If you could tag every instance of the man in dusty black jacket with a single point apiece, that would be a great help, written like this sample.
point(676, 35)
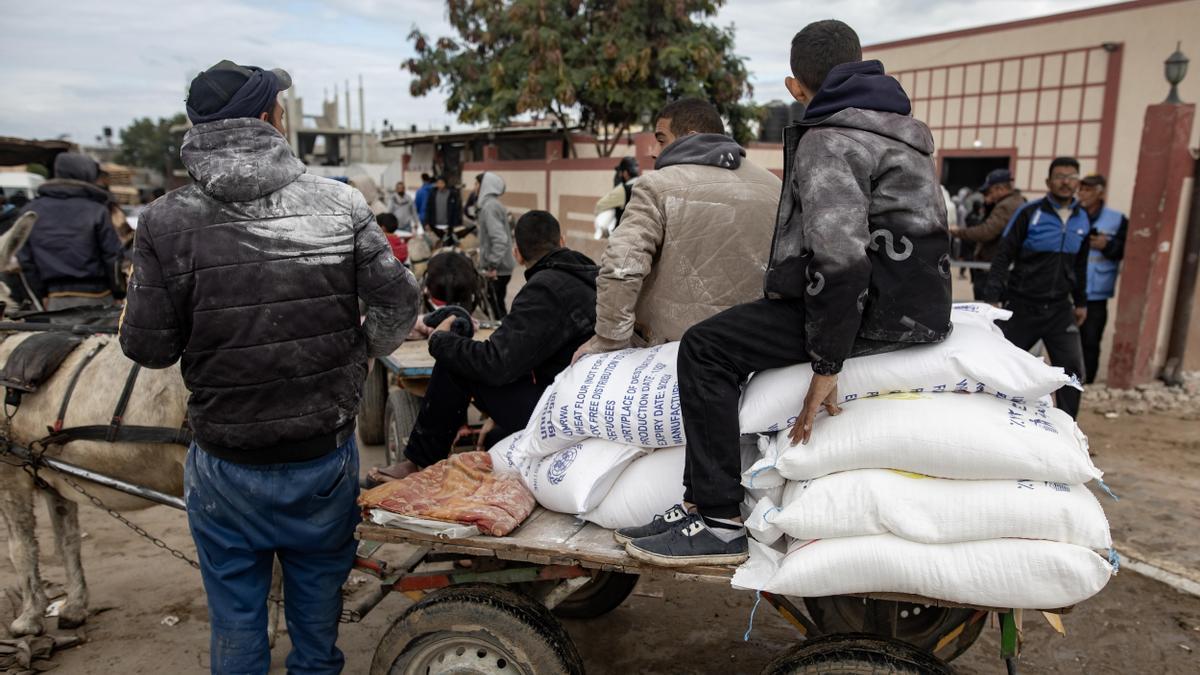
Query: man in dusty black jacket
point(552, 315)
point(252, 276)
point(860, 265)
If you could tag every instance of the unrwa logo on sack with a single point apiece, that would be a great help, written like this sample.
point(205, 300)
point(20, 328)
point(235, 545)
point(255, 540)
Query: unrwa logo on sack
point(562, 462)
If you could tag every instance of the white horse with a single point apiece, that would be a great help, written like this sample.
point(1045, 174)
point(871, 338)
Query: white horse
point(158, 400)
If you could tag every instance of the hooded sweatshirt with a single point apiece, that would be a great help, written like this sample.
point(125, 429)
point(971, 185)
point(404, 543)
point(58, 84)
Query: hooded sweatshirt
point(552, 315)
point(861, 236)
point(253, 275)
point(73, 248)
point(495, 240)
point(693, 242)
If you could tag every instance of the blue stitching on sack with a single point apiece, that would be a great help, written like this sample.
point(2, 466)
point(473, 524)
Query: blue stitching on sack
point(757, 599)
point(1107, 490)
point(1114, 559)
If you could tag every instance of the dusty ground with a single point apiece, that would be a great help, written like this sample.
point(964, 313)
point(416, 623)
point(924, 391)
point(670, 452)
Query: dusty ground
point(1134, 625)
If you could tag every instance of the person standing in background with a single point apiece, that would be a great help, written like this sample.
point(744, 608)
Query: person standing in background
point(443, 210)
point(421, 198)
point(404, 207)
point(1106, 244)
point(1001, 200)
point(1046, 245)
point(495, 242)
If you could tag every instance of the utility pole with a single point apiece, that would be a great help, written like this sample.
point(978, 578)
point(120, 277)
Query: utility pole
point(362, 120)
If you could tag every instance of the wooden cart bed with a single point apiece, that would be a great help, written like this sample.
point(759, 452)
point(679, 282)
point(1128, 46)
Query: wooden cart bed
point(546, 538)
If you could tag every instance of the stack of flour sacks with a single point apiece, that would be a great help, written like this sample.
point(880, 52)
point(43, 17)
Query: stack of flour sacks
point(948, 474)
point(605, 441)
point(970, 490)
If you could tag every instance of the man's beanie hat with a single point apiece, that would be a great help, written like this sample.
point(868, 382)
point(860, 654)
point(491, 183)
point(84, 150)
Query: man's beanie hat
point(228, 90)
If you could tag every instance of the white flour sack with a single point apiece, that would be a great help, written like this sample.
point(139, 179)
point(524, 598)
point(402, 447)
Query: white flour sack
point(1002, 573)
point(647, 487)
point(630, 396)
point(572, 480)
point(934, 510)
point(975, 357)
point(968, 436)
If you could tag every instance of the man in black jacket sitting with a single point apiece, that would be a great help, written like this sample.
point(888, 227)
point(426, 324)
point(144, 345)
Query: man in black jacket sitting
point(505, 375)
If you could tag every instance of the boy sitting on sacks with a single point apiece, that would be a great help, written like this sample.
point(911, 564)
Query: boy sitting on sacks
point(860, 265)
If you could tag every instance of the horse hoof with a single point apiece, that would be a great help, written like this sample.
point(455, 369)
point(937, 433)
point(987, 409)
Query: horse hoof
point(26, 626)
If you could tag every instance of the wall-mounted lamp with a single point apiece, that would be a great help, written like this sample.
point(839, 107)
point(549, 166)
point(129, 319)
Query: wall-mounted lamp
point(1175, 68)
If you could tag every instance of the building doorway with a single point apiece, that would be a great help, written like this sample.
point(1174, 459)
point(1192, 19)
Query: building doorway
point(969, 172)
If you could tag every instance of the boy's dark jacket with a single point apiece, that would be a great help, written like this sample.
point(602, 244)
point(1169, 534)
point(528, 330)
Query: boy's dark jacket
point(861, 235)
point(554, 313)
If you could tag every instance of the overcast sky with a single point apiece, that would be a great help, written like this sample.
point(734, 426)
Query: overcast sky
point(75, 66)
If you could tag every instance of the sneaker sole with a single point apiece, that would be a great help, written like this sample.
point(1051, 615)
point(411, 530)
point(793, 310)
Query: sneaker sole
point(684, 561)
point(620, 538)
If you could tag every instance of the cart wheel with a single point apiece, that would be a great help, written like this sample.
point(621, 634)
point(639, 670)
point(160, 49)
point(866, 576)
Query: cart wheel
point(476, 628)
point(604, 593)
point(370, 412)
point(946, 632)
point(856, 654)
point(399, 418)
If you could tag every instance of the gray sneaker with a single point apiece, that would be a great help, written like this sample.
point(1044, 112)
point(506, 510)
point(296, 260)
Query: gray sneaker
point(689, 542)
point(660, 524)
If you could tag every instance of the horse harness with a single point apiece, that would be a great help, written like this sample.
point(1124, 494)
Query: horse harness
point(116, 431)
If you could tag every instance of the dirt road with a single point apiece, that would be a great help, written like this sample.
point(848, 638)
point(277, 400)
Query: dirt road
point(1134, 625)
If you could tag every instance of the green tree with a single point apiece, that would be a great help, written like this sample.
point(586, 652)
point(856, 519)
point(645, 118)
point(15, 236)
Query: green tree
point(147, 143)
point(610, 63)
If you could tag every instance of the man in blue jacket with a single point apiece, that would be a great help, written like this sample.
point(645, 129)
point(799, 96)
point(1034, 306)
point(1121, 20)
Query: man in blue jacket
point(1046, 246)
point(1106, 244)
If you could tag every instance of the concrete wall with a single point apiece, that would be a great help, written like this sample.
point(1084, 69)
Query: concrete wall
point(1146, 31)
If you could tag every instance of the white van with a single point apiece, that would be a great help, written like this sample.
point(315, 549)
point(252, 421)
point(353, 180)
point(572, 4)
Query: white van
point(12, 182)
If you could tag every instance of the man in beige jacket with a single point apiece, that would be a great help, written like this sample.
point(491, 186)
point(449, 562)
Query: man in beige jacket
point(694, 239)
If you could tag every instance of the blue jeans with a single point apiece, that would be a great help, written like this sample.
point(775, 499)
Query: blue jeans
point(242, 517)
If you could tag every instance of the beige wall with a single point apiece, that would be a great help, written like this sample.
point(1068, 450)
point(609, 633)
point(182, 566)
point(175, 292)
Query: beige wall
point(1148, 34)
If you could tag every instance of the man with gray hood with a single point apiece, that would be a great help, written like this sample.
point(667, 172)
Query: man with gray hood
point(495, 242)
point(73, 254)
point(694, 237)
point(252, 275)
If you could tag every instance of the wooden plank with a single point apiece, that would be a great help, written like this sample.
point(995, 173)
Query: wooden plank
point(413, 358)
point(547, 538)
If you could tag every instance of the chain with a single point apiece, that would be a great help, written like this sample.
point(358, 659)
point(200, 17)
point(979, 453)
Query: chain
point(127, 523)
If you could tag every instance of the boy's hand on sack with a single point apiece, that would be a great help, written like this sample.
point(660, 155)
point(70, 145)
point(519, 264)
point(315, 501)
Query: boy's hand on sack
point(822, 393)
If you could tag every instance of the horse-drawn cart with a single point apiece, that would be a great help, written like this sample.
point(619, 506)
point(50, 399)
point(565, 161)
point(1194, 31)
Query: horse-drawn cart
point(490, 604)
point(392, 394)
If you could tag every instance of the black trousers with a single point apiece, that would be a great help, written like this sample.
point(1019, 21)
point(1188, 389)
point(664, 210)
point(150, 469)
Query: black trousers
point(979, 283)
point(715, 358)
point(1054, 325)
point(1090, 335)
point(444, 411)
point(497, 290)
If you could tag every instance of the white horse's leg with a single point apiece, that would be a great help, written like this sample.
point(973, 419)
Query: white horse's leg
point(16, 507)
point(64, 516)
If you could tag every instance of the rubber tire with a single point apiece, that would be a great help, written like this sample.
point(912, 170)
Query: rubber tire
point(856, 654)
point(604, 593)
point(825, 613)
point(526, 629)
point(399, 418)
point(374, 400)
